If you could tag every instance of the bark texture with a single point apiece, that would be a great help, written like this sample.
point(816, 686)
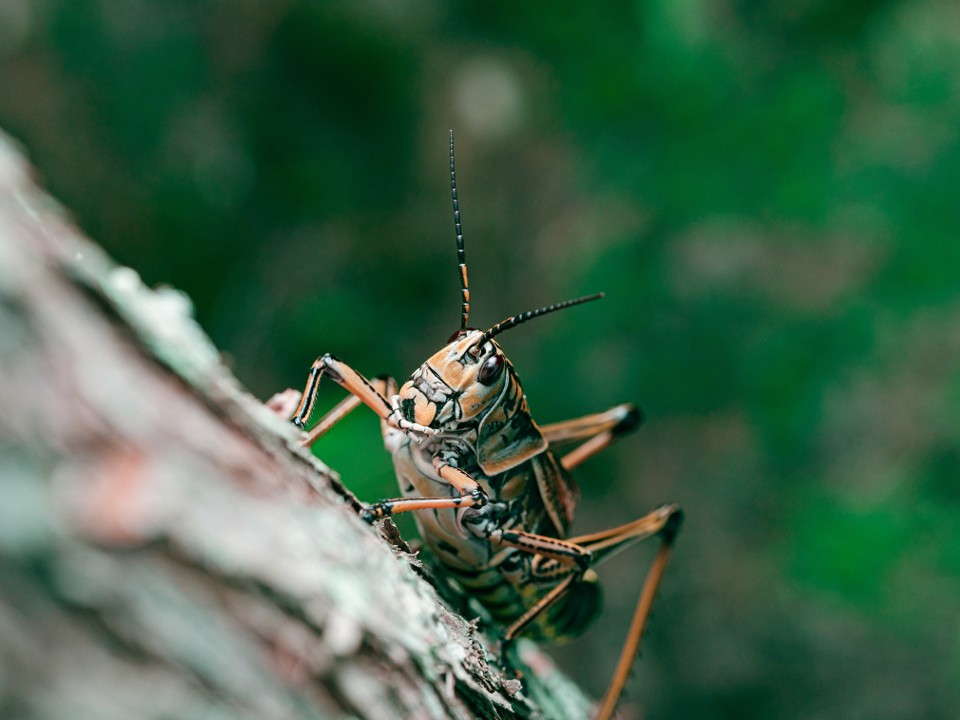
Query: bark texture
point(167, 550)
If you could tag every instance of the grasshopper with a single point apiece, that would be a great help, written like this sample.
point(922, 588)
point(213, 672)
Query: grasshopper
point(492, 497)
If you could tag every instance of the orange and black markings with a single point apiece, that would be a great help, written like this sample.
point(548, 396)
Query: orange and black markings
point(489, 488)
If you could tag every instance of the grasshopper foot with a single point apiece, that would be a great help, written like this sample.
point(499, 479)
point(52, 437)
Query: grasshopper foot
point(377, 511)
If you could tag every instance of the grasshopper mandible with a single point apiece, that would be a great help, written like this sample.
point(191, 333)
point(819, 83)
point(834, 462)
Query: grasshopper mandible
point(493, 500)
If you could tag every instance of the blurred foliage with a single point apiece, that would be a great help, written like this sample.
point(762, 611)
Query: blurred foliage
point(769, 193)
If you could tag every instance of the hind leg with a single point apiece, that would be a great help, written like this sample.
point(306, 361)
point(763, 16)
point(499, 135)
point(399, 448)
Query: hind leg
point(570, 560)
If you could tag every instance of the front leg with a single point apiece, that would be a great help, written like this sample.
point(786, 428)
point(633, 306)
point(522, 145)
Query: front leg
point(349, 379)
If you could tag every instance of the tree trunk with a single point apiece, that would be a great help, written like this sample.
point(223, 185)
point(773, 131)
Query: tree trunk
point(167, 550)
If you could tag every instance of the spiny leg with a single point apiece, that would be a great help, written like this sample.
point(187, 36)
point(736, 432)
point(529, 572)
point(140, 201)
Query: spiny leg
point(598, 431)
point(570, 563)
point(566, 560)
point(554, 558)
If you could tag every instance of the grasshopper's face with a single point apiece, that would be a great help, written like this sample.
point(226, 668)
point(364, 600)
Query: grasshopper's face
point(457, 384)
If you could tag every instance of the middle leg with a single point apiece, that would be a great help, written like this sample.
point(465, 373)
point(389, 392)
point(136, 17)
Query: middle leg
point(595, 432)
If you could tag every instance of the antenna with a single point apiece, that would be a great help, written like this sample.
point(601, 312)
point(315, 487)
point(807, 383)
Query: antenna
point(511, 322)
point(461, 257)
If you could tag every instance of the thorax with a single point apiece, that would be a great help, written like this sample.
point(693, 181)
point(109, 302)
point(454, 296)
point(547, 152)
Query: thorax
point(514, 499)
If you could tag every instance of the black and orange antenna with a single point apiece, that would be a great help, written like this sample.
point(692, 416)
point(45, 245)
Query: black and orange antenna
point(461, 256)
point(512, 322)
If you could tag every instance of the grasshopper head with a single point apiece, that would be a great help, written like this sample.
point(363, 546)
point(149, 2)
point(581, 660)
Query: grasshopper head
point(457, 384)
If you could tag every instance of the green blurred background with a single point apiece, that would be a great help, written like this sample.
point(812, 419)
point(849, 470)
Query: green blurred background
point(767, 191)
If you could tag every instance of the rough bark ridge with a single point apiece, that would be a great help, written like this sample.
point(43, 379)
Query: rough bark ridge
point(166, 548)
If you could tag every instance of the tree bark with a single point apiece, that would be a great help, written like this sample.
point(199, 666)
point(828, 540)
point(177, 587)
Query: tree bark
point(168, 550)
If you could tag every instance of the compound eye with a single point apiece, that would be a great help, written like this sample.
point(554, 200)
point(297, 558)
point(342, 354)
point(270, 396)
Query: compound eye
point(491, 369)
